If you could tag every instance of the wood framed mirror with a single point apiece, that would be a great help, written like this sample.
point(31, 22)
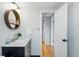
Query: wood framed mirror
point(12, 19)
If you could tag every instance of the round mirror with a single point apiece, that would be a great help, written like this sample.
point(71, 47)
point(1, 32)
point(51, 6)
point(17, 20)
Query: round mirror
point(12, 19)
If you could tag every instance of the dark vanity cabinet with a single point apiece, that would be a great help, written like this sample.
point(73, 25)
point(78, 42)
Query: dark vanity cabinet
point(17, 51)
point(13, 51)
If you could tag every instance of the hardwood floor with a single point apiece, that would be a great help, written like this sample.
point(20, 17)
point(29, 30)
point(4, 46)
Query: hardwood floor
point(47, 50)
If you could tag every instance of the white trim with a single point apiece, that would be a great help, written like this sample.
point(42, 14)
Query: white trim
point(40, 33)
point(43, 11)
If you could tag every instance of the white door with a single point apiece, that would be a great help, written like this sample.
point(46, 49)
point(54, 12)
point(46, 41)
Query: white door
point(60, 32)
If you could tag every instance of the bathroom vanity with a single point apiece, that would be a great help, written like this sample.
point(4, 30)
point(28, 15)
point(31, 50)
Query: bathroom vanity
point(18, 48)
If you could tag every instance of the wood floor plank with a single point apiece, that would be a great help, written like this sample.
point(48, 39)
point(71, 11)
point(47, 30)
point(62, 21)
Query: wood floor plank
point(47, 50)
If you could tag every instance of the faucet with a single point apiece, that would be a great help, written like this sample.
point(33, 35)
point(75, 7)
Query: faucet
point(16, 36)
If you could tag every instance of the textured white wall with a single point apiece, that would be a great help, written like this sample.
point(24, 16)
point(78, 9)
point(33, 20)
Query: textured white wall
point(29, 17)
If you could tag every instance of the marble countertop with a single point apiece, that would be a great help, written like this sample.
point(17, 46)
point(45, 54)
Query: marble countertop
point(17, 43)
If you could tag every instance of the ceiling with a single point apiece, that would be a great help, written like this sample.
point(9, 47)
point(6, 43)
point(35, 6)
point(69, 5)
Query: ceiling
point(39, 5)
point(42, 5)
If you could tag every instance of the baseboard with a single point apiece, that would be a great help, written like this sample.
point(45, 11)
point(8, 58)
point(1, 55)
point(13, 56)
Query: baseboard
point(34, 55)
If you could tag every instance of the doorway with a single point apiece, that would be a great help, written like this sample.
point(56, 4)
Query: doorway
point(47, 34)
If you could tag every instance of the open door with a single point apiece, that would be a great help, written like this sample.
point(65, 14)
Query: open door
point(60, 32)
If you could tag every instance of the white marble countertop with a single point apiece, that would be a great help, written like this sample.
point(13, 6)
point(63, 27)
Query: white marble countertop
point(17, 43)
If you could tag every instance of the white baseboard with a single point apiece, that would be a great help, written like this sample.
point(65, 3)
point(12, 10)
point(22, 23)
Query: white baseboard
point(47, 43)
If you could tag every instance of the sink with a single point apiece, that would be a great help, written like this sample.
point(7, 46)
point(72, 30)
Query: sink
point(17, 43)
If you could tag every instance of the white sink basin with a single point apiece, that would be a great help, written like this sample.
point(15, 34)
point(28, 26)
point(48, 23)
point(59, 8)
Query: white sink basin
point(17, 43)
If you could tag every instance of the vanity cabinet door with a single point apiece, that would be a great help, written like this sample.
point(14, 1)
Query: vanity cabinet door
point(28, 49)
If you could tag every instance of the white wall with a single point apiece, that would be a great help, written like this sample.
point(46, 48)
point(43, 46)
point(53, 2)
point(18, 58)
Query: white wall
point(5, 33)
point(73, 30)
point(29, 17)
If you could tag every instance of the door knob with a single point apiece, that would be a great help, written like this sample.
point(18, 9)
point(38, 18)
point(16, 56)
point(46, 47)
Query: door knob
point(64, 40)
